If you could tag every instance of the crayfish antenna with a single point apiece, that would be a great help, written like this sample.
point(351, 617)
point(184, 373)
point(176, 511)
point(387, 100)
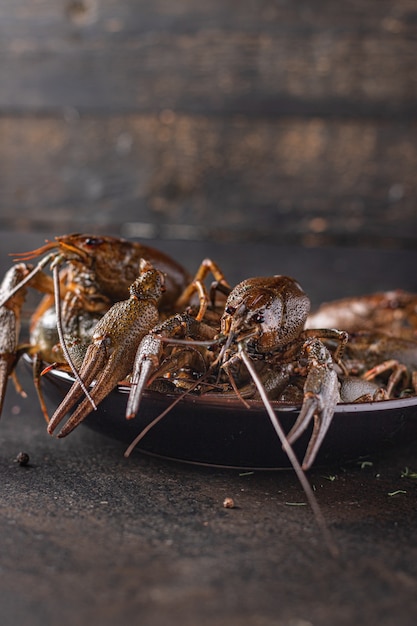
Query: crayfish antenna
point(315, 507)
point(64, 348)
point(154, 422)
point(32, 254)
point(232, 381)
point(159, 417)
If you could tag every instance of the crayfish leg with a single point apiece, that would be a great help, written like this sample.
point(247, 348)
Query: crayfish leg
point(399, 371)
point(197, 286)
point(37, 366)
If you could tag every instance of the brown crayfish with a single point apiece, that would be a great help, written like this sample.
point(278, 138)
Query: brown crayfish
point(115, 310)
point(252, 344)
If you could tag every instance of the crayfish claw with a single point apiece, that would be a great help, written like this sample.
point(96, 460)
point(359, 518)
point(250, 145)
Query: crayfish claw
point(179, 328)
point(322, 415)
point(112, 373)
point(321, 394)
point(115, 341)
point(94, 361)
point(10, 323)
point(146, 362)
point(4, 377)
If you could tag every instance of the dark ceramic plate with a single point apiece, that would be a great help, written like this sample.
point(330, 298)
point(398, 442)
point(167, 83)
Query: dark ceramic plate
point(214, 431)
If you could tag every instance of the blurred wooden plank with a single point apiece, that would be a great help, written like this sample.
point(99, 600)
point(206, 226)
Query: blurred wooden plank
point(248, 120)
point(246, 177)
point(214, 58)
point(188, 16)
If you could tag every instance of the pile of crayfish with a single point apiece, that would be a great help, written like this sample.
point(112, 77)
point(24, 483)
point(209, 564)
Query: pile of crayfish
point(115, 310)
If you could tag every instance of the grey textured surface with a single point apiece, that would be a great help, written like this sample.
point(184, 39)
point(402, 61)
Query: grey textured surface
point(88, 536)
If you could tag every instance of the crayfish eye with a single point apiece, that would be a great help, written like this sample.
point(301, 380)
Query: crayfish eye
point(230, 310)
point(93, 241)
point(257, 318)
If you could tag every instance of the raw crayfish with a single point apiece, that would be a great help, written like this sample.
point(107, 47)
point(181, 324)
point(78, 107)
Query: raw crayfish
point(257, 336)
point(251, 340)
point(90, 274)
point(381, 355)
point(261, 345)
point(391, 312)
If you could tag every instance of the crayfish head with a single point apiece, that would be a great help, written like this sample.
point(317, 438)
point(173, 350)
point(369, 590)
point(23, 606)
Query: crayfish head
point(241, 324)
point(76, 248)
point(83, 248)
point(270, 310)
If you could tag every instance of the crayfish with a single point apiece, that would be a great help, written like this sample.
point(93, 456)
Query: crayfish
point(90, 274)
point(390, 312)
point(115, 310)
point(257, 339)
point(259, 346)
point(380, 359)
point(237, 340)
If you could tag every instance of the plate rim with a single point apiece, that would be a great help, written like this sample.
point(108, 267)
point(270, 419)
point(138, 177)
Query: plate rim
point(214, 400)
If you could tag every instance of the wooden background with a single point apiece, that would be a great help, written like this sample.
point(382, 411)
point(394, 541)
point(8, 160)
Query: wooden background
point(282, 121)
